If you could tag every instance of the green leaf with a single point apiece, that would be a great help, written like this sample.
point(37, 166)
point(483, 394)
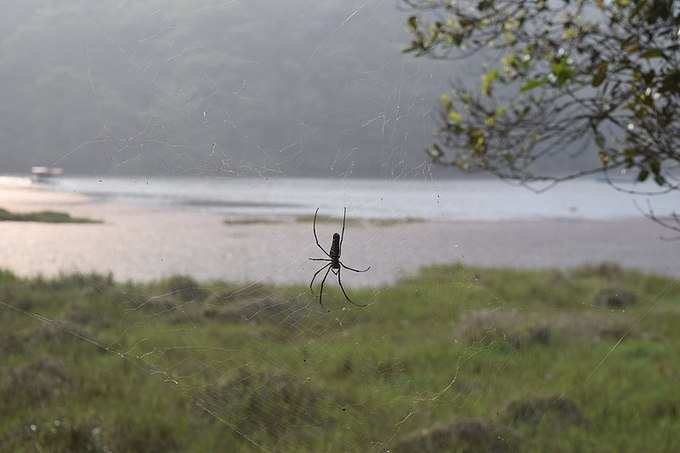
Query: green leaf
point(487, 81)
point(477, 141)
point(485, 4)
point(562, 71)
point(455, 117)
point(533, 84)
point(414, 46)
point(413, 23)
point(435, 152)
point(600, 74)
point(570, 33)
point(643, 175)
point(631, 44)
point(446, 101)
point(652, 53)
point(671, 82)
point(641, 4)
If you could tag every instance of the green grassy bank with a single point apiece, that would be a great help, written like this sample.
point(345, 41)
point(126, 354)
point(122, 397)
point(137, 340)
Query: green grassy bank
point(454, 359)
point(42, 217)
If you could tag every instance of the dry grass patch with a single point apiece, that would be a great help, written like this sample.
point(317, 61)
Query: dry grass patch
point(463, 436)
point(519, 330)
point(503, 326)
point(534, 410)
point(36, 382)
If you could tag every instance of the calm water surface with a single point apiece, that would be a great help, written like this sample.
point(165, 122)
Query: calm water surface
point(484, 199)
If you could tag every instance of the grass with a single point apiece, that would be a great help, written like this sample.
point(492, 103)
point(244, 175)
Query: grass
point(309, 218)
point(453, 359)
point(358, 222)
point(251, 221)
point(394, 222)
point(42, 216)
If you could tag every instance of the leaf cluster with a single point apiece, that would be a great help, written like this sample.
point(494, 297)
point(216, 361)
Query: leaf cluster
point(600, 75)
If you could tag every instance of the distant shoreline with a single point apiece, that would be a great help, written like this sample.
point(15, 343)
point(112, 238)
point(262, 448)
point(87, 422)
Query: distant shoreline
point(450, 200)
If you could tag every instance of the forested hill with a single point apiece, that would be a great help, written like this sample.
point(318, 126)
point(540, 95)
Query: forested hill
point(198, 87)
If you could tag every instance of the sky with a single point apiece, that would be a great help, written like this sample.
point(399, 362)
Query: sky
point(223, 88)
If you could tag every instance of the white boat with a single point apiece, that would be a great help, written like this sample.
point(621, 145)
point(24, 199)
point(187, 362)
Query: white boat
point(45, 174)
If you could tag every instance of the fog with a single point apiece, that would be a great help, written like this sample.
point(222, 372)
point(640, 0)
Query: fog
point(179, 87)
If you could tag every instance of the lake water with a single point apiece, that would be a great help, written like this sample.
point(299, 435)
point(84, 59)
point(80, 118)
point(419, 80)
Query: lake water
point(481, 199)
point(159, 227)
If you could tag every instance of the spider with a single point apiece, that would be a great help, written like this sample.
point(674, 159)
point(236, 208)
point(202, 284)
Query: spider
point(334, 263)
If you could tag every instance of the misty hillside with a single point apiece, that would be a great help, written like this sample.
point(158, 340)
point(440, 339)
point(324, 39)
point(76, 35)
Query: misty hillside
point(185, 87)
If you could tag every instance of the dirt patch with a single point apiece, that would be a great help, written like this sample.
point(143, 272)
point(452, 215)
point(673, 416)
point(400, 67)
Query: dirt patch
point(463, 436)
point(533, 410)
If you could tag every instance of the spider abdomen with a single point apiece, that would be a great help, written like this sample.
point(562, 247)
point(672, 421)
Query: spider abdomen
point(335, 247)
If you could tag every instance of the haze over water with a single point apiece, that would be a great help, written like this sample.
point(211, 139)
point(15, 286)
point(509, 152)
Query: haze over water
point(465, 199)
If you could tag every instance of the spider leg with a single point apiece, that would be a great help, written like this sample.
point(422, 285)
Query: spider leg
point(314, 277)
point(345, 293)
point(335, 271)
point(320, 259)
point(342, 236)
point(316, 238)
point(354, 270)
point(321, 289)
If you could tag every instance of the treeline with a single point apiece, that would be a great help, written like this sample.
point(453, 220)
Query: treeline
point(194, 88)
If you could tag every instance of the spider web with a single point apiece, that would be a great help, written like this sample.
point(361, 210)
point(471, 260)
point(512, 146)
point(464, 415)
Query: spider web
point(202, 171)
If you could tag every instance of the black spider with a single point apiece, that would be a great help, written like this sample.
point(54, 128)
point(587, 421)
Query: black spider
point(334, 263)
